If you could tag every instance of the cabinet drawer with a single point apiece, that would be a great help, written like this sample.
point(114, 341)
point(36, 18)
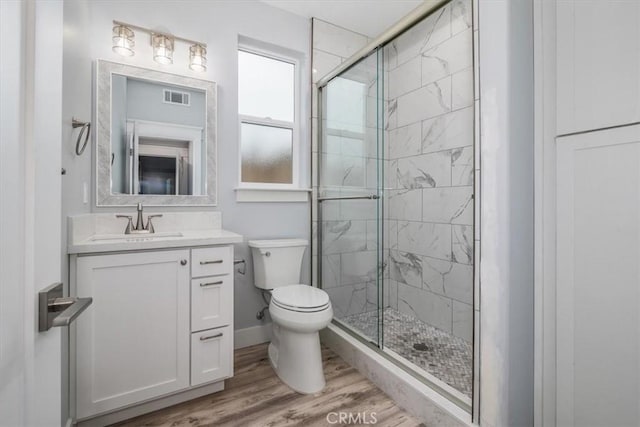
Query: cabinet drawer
point(211, 355)
point(211, 261)
point(211, 302)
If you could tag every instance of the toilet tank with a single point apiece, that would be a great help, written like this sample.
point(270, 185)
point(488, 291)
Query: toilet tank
point(277, 262)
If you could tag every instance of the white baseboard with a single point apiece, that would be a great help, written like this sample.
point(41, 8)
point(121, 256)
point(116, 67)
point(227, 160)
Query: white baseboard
point(251, 336)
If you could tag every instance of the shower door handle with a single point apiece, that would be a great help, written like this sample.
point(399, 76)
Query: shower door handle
point(368, 197)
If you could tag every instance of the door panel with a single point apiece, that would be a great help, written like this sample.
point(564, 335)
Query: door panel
point(598, 282)
point(350, 206)
point(598, 64)
point(30, 206)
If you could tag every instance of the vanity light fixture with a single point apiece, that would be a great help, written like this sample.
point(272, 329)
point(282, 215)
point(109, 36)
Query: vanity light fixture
point(198, 57)
point(162, 48)
point(161, 43)
point(123, 42)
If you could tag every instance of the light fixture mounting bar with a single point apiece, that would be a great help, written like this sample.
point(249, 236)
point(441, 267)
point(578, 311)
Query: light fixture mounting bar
point(152, 32)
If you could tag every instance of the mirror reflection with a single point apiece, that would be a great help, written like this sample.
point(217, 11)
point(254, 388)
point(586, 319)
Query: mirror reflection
point(158, 144)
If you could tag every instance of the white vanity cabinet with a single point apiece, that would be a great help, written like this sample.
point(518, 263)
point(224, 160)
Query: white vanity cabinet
point(161, 322)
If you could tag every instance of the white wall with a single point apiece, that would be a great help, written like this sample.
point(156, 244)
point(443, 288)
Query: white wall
point(506, 94)
point(88, 37)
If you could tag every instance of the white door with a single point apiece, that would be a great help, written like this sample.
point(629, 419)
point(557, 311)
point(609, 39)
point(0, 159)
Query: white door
point(598, 278)
point(30, 206)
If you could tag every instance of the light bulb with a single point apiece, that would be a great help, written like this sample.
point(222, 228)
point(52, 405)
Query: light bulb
point(162, 49)
point(198, 57)
point(123, 42)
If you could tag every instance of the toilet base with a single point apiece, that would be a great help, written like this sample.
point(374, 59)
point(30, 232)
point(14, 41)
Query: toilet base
point(297, 360)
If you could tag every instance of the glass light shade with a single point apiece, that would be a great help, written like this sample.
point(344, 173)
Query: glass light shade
point(198, 57)
point(162, 49)
point(123, 42)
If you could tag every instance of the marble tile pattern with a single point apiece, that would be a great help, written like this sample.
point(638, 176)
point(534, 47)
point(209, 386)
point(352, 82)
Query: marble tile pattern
point(429, 204)
point(427, 166)
point(446, 356)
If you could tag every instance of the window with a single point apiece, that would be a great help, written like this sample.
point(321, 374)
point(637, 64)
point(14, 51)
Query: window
point(269, 120)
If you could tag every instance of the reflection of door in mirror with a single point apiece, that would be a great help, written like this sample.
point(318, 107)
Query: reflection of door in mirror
point(157, 138)
point(164, 159)
point(163, 167)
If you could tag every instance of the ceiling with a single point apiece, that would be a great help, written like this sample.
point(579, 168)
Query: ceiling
point(368, 17)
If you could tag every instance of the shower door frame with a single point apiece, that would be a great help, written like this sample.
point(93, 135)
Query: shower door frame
point(420, 374)
point(378, 197)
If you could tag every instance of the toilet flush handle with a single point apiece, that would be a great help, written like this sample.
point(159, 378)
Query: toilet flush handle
point(265, 253)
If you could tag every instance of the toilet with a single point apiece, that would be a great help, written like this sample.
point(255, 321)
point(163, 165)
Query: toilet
point(298, 313)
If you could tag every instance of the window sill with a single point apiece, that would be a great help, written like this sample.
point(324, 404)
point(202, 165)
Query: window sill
point(272, 195)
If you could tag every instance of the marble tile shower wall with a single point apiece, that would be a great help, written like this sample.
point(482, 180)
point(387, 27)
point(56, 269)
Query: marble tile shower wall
point(349, 161)
point(429, 174)
point(429, 170)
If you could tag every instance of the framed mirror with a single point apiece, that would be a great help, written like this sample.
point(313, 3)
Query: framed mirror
point(156, 138)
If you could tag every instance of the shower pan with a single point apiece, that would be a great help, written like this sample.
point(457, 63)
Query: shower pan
point(395, 198)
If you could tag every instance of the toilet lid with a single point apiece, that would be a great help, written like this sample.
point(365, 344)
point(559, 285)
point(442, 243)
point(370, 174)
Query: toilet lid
point(300, 297)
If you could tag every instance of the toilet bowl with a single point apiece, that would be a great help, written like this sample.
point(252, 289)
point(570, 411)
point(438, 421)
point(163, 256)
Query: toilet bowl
point(298, 313)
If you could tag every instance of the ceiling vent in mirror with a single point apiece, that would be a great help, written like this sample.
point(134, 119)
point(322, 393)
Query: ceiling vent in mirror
point(176, 97)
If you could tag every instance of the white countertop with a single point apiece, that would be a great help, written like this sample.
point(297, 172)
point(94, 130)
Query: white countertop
point(95, 233)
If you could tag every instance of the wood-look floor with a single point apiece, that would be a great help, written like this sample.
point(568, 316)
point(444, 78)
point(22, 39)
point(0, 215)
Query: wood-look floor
point(256, 397)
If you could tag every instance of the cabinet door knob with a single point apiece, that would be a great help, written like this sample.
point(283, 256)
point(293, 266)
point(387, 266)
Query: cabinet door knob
point(183, 262)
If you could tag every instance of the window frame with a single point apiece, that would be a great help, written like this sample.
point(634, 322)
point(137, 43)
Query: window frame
point(295, 126)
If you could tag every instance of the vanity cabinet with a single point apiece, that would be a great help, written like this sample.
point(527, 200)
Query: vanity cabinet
point(161, 322)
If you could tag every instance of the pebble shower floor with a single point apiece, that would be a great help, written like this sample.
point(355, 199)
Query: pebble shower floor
point(443, 355)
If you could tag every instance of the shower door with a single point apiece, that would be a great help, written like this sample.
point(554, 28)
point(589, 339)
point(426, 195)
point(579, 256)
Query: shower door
point(396, 199)
point(349, 197)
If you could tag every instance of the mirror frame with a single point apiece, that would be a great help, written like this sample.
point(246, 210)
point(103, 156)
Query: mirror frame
point(104, 197)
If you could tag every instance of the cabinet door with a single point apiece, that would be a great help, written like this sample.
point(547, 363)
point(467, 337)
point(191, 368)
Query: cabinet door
point(211, 302)
point(211, 355)
point(598, 278)
point(598, 64)
point(133, 341)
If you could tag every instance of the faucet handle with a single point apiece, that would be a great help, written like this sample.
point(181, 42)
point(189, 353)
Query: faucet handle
point(150, 224)
point(129, 224)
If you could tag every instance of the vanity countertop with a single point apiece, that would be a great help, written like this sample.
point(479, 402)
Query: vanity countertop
point(98, 233)
point(134, 242)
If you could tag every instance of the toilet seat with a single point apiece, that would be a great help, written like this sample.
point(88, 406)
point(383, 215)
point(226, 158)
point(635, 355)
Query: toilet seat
point(300, 298)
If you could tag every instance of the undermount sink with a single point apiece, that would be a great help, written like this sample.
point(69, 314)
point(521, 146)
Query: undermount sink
point(134, 237)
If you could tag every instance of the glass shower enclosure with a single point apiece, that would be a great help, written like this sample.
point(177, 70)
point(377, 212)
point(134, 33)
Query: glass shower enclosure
point(395, 205)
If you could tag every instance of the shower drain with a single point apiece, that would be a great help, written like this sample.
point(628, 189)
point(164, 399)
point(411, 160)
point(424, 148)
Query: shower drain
point(421, 346)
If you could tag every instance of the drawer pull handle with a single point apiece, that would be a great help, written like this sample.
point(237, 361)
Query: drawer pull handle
point(210, 337)
point(215, 261)
point(219, 282)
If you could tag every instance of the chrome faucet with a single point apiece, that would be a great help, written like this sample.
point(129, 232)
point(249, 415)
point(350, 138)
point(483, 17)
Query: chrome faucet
point(139, 227)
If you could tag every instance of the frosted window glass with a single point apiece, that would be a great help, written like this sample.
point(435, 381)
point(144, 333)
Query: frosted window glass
point(266, 154)
point(265, 87)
